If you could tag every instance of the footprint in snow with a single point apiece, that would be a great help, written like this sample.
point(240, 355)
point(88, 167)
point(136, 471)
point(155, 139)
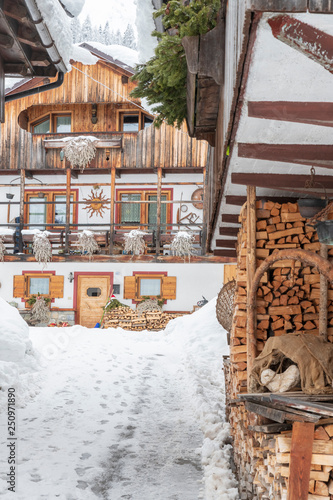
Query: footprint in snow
point(103, 422)
point(86, 443)
point(85, 456)
point(104, 396)
point(103, 405)
point(100, 431)
point(98, 381)
point(81, 471)
point(123, 404)
point(82, 485)
point(97, 388)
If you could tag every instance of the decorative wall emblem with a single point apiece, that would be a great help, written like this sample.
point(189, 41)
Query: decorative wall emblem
point(197, 198)
point(96, 203)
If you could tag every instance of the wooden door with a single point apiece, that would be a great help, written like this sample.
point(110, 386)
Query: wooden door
point(92, 294)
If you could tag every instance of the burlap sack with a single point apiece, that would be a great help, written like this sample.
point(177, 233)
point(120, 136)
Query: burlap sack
point(313, 356)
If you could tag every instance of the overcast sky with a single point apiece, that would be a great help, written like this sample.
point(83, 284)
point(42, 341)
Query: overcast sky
point(119, 13)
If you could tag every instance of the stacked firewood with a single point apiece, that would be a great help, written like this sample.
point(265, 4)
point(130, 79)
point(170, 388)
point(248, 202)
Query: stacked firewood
point(289, 294)
point(287, 303)
point(128, 319)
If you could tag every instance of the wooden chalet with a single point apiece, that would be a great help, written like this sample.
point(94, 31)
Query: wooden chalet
point(140, 178)
point(264, 104)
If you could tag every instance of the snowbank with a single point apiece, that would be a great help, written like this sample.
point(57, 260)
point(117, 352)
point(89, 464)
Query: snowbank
point(124, 54)
point(18, 362)
point(203, 342)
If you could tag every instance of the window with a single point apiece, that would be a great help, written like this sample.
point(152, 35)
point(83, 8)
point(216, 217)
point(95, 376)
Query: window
point(34, 283)
point(52, 123)
point(149, 285)
point(94, 292)
point(53, 213)
point(130, 121)
point(143, 213)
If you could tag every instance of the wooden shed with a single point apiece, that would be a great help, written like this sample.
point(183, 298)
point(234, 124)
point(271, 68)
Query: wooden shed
point(270, 126)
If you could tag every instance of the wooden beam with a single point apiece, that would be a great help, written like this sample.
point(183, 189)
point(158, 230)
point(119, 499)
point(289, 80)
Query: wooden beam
point(228, 231)
point(22, 183)
point(15, 69)
point(231, 218)
point(6, 41)
point(279, 5)
point(251, 220)
point(112, 205)
point(68, 205)
point(304, 154)
point(15, 10)
point(240, 200)
point(300, 460)
point(226, 243)
point(315, 113)
point(323, 297)
point(310, 41)
point(284, 182)
point(101, 143)
point(225, 253)
point(158, 209)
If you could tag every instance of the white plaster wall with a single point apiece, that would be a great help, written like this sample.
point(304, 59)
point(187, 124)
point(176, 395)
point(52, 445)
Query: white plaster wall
point(193, 280)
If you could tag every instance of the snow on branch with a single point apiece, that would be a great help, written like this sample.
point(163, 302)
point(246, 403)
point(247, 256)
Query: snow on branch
point(182, 245)
point(134, 242)
point(41, 248)
point(80, 151)
point(87, 243)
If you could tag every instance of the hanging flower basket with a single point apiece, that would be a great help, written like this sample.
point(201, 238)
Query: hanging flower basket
point(182, 245)
point(42, 248)
point(309, 207)
point(134, 242)
point(80, 151)
point(325, 231)
point(87, 243)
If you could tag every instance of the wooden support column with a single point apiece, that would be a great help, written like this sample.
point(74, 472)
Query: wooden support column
point(323, 297)
point(158, 211)
point(112, 205)
point(300, 460)
point(22, 183)
point(250, 272)
point(204, 214)
point(68, 206)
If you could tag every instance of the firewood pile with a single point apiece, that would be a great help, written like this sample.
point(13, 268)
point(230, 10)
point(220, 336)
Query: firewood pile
point(128, 319)
point(288, 300)
point(288, 296)
point(263, 454)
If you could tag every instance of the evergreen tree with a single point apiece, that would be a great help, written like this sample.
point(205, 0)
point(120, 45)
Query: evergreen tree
point(107, 34)
point(118, 38)
point(94, 34)
point(100, 37)
point(162, 80)
point(76, 30)
point(87, 30)
point(129, 38)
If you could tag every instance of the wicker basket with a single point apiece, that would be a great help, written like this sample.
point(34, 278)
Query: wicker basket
point(225, 305)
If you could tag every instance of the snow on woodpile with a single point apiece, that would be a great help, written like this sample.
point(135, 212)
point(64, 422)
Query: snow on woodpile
point(203, 342)
point(18, 361)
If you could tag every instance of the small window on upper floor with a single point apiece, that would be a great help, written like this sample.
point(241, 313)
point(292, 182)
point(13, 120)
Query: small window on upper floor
point(52, 123)
point(130, 123)
point(133, 122)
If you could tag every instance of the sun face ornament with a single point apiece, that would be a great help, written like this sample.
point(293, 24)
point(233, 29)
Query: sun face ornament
point(96, 203)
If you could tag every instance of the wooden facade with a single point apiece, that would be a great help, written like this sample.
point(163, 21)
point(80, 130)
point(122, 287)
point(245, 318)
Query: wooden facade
point(147, 149)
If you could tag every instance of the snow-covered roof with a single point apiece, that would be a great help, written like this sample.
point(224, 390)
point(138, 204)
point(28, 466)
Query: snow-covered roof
point(123, 57)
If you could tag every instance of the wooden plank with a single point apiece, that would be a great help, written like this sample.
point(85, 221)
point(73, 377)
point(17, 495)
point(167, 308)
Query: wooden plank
point(270, 428)
point(279, 5)
point(319, 446)
point(321, 6)
point(264, 411)
point(315, 113)
point(250, 272)
point(300, 460)
point(281, 181)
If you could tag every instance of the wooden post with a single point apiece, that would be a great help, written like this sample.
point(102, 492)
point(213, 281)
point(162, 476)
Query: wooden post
point(158, 211)
point(22, 183)
point(204, 214)
point(112, 200)
point(68, 206)
point(300, 460)
point(250, 272)
point(323, 297)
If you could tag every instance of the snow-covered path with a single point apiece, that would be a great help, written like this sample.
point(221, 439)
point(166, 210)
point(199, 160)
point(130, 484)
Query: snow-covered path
point(124, 415)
